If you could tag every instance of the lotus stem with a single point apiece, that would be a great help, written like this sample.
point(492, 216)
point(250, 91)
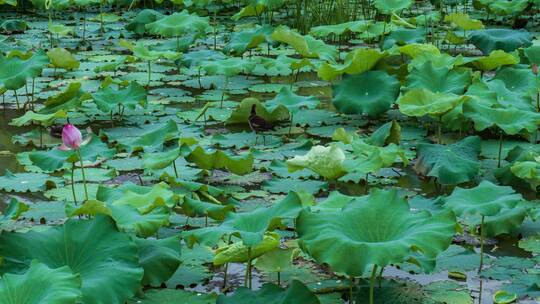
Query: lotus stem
point(279, 278)
point(83, 175)
point(372, 285)
point(481, 245)
point(380, 276)
point(224, 89)
point(174, 167)
point(500, 150)
point(247, 277)
point(40, 136)
point(291, 123)
point(439, 131)
point(149, 72)
point(84, 27)
point(16, 98)
point(73, 183)
point(351, 299)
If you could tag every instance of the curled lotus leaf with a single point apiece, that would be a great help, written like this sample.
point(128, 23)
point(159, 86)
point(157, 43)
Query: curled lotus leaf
point(325, 161)
point(178, 24)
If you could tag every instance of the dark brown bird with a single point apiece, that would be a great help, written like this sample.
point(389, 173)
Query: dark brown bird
point(258, 124)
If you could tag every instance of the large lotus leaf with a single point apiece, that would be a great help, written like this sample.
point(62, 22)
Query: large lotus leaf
point(43, 119)
point(494, 60)
point(389, 133)
point(507, 40)
point(372, 93)
point(450, 164)
point(388, 7)
point(339, 29)
point(439, 79)
point(464, 21)
point(144, 17)
point(159, 257)
point(129, 219)
point(40, 284)
point(403, 36)
point(277, 260)
point(486, 199)
point(152, 140)
point(369, 159)
point(511, 120)
point(178, 24)
point(414, 50)
point(507, 7)
point(160, 160)
point(249, 226)
point(533, 54)
point(106, 260)
point(514, 87)
point(217, 159)
point(241, 114)
point(291, 101)
point(108, 99)
point(306, 46)
point(528, 170)
point(420, 102)
point(55, 159)
point(62, 58)
point(14, 71)
point(67, 100)
point(146, 198)
point(238, 252)
point(325, 161)
point(248, 39)
point(271, 294)
point(23, 182)
point(357, 61)
point(378, 229)
point(228, 67)
point(144, 53)
point(192, 207)
point(14, 209)
point(250, 10)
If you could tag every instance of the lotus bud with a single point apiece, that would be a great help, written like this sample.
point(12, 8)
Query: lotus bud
point(71, 137)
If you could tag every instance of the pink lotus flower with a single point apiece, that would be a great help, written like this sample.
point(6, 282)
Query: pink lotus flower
point(535, 69)
point(72, 138)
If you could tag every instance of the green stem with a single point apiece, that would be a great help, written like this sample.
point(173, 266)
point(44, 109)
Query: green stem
point(149, 72)
point(380, 276)
point(500, 150)
point(16, 99)
point(247, 276)
point(73, 183)
point(279, 278)
point(351, 300)
point(481, 245)
point(439, 131)
point(83, 175)
point(372, 285)
point(291, 123)
point(224, 89)
point(174, 167)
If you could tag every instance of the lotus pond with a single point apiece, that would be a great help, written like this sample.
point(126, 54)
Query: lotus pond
point(269, 151)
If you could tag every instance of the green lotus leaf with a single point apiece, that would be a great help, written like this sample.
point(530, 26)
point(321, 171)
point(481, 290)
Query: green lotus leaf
point(42, 119)
point(388, 7)
point(55, 159)
point(325, 161)
point(339, 29)
point(14, 71)
point(271, 294)
point(249, 226)
point(439, 79)
point(41, 284)
point(250, 10)
point(369, 159)
point(389, 133)
point(9, 2)
point(511, 120)
point(306, 46)
point(91, 248)
point(450, 164)
point(464, 21)
point(59, 29)
point(486, 199)
point(531, 244)
point(508, 221)
point(144, 53)
point(144, 17)
point(419, 49)
point(505, 7)
point(62, 58)
point(372, 93)
point(533, 54)
point(143, 198)
point(129, 219)
point(151, 140)
point(494, 60)
point(528, 170)
point(193, 208)
point(228, 67)
point(14, 26)
point(178, 24)
point(67, 100)
point(108, 98)
point(88, 207)
point(14, 209)
point(247, 39)
point(238, 253)
point(277, 260)
point(402, 36)
point(504, 297)
point(217, 159)
point(294, 103)
point(175, 296)
point(377, 229)
point(241, 114)
point(420, 102)
point(508, 40)
point(357, 61)
point(24, 182)
point(159, 258)
point(160, 160)
point(514, 87)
